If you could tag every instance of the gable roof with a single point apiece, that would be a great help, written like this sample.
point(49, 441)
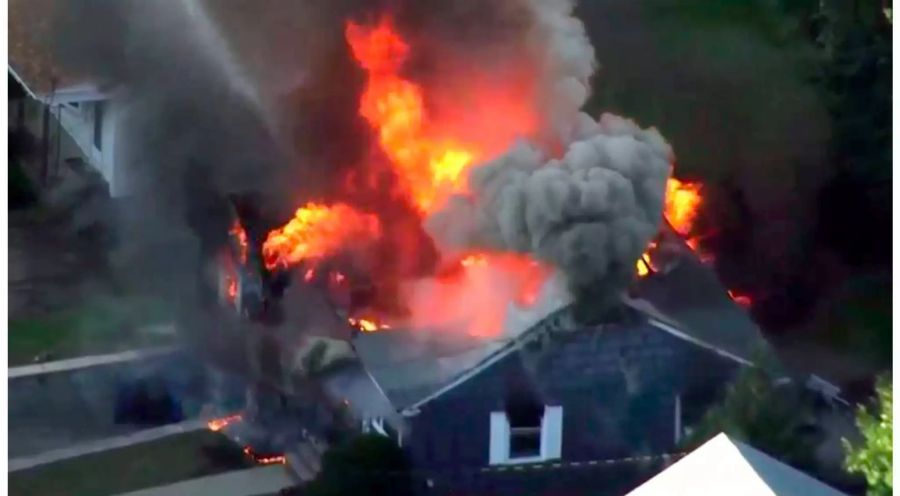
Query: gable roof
point(725, 466)
point(691, 299)
point(413, 368)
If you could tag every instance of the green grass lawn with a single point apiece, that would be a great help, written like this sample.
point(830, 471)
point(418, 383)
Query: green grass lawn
point(101, 325)
point(161, 462)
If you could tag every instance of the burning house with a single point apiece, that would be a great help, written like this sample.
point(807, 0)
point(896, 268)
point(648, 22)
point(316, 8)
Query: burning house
point(435, 244)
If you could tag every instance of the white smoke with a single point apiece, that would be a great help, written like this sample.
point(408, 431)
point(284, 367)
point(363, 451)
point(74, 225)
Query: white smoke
point(590, 212)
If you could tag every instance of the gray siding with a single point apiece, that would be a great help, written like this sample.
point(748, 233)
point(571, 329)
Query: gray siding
point(616, 384)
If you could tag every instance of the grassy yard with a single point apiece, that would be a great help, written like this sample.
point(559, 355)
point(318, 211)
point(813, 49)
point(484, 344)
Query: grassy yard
point(165, 461)
point(101, 325)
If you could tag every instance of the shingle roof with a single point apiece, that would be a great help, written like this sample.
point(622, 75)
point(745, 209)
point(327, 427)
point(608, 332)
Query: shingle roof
point(688, 302)
point(410, 365)
point(725, 466)
point(691, 298)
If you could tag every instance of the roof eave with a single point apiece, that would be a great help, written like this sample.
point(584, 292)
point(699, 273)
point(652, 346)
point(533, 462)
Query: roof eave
point(84, 92)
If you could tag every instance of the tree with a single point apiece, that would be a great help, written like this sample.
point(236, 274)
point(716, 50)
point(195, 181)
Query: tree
point(369, 464)
point(774, 419)
point(873, 456)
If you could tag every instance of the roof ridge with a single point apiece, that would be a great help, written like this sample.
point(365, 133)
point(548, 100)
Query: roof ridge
point(492, 358)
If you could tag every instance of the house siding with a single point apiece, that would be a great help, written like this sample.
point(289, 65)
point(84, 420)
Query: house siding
point(617, 387)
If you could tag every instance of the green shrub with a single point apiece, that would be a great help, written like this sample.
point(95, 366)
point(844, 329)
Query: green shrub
point(773, 419)
point(369, 464)
point(873, 457)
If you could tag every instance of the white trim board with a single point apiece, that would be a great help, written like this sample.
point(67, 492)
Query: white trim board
point(501, 438)
point(677, 333)
point(660, 321)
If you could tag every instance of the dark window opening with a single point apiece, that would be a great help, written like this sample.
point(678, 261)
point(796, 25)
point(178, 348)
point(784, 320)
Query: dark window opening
point(524, 442)
point(98, 125)
point(525, 417)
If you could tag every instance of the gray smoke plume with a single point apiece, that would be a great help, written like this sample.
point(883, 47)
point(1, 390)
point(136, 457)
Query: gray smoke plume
point(590, 212)
point(223, 96)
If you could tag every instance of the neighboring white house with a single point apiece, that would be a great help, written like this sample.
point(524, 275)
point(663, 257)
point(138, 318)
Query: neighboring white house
point(88, 119)
point(723, 466)
point(68, 114)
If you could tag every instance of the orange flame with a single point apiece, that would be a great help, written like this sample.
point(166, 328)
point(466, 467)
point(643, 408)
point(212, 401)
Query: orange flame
point(476, 295)
point(367, 324)
point(683, 201)
point(429, 168)
point(237, 230)
point(316, 231)
point(264, 460)
point(682, 204)
point(226, 264)
point(644, 264)
point(218, 424)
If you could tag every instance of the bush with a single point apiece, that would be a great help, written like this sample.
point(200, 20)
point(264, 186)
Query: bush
point(369, 464)
point(873, 457)
point(773, 419)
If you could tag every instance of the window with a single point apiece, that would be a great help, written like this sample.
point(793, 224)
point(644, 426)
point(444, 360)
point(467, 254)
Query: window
point(98, 125)
point(526, 435)
point(525, 431)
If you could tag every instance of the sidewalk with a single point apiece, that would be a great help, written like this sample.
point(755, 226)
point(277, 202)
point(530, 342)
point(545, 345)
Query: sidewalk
point(86, 361)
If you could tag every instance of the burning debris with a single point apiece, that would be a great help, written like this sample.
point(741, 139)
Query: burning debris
point(366, 325)
point(264, 460)
point(218, 424)
point(683, 202)
point(682, 207)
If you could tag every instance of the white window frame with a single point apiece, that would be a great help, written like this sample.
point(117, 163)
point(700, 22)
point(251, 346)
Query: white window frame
point(677, 415)
point(374, 425)
point(551, 438)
